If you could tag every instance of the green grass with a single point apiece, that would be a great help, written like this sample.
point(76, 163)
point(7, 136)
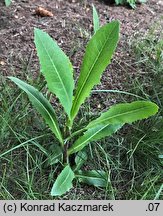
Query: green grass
point(146, 138)
point(132, 157)
point(22, 138)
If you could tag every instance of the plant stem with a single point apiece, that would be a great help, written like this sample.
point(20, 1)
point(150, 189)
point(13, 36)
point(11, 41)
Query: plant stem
point(75, 133)
point(65, 155)
point(66, 145)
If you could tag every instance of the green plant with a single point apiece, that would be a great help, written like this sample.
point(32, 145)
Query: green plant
point(147, 51)
point(132, 3)
point(96, 21)
point(58, 72)
point(150, 50)
point(7, 2)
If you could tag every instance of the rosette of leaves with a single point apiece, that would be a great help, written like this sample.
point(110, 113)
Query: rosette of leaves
point(58, 72)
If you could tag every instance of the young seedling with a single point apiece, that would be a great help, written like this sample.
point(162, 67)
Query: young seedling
point(58, 72)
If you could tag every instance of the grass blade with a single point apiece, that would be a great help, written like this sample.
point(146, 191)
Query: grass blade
point(42, 105)
point(56, 67)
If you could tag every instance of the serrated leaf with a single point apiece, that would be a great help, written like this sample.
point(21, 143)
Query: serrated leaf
point(96, 22)
point(42, 105)
point(98, 55)
point(112, 120)
point(93, 134)
point(96, 178)
point(80, 159)
point(126, 113)
point(63, 182)
point(56, 67)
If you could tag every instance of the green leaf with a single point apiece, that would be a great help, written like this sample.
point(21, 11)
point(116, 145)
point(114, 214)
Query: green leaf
point(63, 182)
point(42, 105)
point(120, 2)
point(56, 155)
point(112, 120)
point(142, 1)
point(126, 113)
point(96, 22)
point(56, 67)
point(80, 159)
point(98, 55)
point(96, 178)
point(93, 134)
point(132, 3)
point(7, 2)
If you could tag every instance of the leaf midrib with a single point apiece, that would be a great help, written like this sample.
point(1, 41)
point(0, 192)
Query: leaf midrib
point(69, 172)
point(82, 87)
point(115, 116)
point(56, 71)
point(48, 114)
point(90, 177)
point(87, 140)
point(105, 126)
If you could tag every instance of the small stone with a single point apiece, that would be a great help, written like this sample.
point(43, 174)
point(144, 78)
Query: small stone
point(2, 62)
point(160, 3)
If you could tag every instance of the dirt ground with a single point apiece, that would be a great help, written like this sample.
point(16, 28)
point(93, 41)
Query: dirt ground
point(71, 26)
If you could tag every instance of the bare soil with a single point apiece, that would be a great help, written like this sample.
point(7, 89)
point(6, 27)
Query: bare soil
point(71, 26)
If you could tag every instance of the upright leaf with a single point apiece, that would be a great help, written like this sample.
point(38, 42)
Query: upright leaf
point(63, 182)
point(126, 113)
point(93, 134)
point(96, 22)
point(56, 68)
point(97, 56)
point(42, 105)
point(97, 178)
